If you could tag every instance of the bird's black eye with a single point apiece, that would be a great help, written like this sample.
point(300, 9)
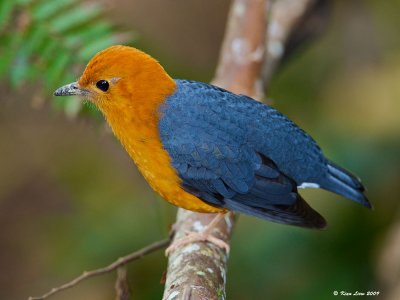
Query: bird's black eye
point(103, 85)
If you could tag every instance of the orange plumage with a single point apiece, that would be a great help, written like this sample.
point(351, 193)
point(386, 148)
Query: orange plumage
point(131, 108)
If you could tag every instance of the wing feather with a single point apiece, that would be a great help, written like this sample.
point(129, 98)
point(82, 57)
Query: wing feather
point(225, 154)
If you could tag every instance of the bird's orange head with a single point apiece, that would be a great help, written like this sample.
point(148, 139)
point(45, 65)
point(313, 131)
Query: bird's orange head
point(120, 78)
point(129, 86)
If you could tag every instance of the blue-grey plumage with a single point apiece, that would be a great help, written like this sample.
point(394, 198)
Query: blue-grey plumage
point(234, 152)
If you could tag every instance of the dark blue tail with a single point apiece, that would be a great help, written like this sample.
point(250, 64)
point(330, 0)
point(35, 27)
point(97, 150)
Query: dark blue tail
point(342, 182)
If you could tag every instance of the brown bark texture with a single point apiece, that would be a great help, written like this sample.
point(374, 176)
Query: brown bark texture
point(198, 270)
point(248, 57)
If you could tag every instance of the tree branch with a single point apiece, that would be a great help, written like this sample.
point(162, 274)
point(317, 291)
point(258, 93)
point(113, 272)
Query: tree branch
point(285, 19)
point(243, 48)
point(121, 284)
point(198, 270)
point(115, 265)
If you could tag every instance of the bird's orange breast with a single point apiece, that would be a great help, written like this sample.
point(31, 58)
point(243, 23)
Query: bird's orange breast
point(136, 126)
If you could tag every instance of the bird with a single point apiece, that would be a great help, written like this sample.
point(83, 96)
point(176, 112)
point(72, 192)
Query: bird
point(205, 149)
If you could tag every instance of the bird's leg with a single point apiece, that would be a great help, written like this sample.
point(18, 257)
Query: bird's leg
point(204, 235)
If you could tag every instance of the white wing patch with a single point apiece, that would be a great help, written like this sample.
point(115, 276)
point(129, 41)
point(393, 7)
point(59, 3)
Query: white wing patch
point(308, 185)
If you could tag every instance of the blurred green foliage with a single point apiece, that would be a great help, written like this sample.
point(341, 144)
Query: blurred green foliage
point(46, 42)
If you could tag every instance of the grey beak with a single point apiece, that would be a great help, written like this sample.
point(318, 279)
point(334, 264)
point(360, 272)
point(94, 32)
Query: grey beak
point(69, 90)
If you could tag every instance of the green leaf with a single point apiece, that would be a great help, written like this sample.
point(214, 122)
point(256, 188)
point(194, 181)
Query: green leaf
point(59, 36)
point(95, 46)
point(57, 67)
point(19, 70)
point(88, 33)
point(48, 50)
point(75, 17)
point(45, 9)
point(24, 2)
point(34, 38)
point(6, 8)
point(8, 55)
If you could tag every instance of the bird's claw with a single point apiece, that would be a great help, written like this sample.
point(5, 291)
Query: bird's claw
point(193, 237)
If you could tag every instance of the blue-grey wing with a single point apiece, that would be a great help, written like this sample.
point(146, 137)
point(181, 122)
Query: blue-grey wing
point(242, 181)
point(219, 166)
point(234, 152)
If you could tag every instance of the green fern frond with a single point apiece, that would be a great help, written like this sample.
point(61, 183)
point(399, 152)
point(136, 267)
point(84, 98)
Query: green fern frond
point(47, 41)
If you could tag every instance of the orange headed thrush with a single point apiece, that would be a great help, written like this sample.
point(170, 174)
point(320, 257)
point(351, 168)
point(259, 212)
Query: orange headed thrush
point(206, 149)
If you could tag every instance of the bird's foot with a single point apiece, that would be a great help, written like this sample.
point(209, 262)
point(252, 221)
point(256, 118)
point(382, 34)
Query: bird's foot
point(193, 237)
point(203, 236)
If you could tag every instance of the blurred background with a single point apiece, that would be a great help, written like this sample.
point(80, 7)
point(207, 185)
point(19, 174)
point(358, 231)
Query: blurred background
point(72, 200)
